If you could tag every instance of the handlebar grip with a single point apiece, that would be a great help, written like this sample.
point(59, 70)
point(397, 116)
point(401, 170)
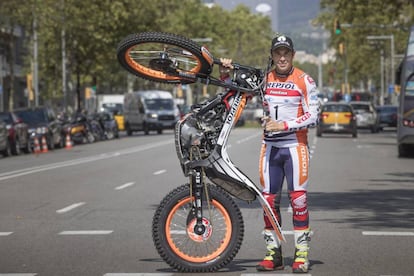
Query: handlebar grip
point(236, 66)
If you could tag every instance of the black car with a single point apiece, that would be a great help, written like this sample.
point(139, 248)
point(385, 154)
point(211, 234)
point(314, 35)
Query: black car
point(5, 148)
point(387, 115)
point(18, 131)
point(42, 122)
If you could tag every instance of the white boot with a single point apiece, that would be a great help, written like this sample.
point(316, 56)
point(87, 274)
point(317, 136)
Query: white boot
point(301, 260)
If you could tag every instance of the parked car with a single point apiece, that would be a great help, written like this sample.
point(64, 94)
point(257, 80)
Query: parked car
point(366, 115)
point(337, 118)
point(18, 131)
point(5, 148)
point(109, 124)
point(42, 121)
point(387, 116)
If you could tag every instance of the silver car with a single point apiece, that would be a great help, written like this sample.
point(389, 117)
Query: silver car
point(366, 115)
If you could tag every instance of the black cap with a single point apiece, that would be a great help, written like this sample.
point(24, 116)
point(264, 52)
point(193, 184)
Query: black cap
point(282, 41)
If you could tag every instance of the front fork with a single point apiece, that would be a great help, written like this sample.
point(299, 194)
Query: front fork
point(197, 192)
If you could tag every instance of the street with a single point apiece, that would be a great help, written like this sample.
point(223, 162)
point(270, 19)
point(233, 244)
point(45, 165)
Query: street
point(87, 211)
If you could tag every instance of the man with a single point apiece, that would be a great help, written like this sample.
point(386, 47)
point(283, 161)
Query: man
point(291, 102)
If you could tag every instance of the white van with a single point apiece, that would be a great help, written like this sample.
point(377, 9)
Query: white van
point(150, 110)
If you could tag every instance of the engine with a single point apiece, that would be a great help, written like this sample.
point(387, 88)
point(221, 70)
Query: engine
point(196, 135)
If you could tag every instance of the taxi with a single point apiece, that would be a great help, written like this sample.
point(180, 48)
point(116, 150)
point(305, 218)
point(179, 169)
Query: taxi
point(337, 117)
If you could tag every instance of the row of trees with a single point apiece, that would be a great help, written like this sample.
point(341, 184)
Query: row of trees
point(360, 59)
point(92, 30)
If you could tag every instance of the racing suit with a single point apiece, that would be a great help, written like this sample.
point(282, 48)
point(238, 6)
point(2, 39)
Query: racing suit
point(293, 100)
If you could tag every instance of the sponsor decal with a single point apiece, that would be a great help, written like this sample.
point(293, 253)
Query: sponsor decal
point(309, 79)
point(302, 119)
point(300, 202)
point(284, 85)
point(303, 164)
point(233, 110)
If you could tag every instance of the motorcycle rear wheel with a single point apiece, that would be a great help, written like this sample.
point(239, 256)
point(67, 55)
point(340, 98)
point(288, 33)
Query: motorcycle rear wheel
point(163, 57)
point(183, 249)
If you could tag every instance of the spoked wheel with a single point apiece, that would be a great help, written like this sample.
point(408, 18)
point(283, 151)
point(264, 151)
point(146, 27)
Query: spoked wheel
point(177, 240)
point(164, 57)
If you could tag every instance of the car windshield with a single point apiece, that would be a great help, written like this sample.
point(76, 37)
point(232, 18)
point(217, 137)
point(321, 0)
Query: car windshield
point(32, 116)
point(336, 108)
point(159, 104)
point(5, 118)
point(112, 107)
point(363, 107)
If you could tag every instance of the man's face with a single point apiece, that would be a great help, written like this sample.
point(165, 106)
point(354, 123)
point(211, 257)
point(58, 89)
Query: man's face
point(283, 58)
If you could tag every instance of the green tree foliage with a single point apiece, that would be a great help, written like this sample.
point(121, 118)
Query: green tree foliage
point(92, 30)
point(358, 20)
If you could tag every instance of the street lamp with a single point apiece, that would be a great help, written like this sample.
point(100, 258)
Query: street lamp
point(391, 38)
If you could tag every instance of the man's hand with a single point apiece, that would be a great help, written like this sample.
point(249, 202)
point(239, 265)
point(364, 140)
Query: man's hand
point(225, 66)
point(271, 125)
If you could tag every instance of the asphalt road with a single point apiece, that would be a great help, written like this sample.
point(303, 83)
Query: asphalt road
point(88, 210)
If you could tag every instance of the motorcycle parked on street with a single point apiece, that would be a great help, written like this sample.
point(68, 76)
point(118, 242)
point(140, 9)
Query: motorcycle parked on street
point(198, 227)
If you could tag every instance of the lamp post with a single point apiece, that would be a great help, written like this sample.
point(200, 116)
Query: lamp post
point(391, 38)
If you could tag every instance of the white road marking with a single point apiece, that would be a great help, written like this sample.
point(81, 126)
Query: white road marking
point(126, 185)
point(5, 234)
point(87, 232)
point(18, 274)
point(381, 233)
point(138, 274)
point(248, 138)
point(283, 274)
point(160, 172)
point(26, 171)
point(70, 207)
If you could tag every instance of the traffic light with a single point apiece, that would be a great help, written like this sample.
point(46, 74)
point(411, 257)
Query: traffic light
point(337, 27)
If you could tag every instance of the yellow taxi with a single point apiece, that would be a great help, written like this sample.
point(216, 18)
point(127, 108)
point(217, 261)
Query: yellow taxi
point(337, 117)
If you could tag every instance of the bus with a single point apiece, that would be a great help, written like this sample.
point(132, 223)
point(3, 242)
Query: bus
point(405, 125)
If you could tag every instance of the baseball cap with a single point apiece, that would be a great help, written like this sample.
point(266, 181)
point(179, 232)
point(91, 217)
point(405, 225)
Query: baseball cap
point(282, 41)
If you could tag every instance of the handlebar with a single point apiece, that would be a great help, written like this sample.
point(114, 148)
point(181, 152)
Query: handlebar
point(237, 66)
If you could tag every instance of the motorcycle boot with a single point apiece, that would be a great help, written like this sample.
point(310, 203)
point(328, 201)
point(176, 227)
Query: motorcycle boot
point(273, 259)
point(300, 259)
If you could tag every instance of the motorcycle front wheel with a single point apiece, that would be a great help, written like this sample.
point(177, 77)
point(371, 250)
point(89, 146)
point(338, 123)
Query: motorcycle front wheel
point(178, 243)
point(164, 57)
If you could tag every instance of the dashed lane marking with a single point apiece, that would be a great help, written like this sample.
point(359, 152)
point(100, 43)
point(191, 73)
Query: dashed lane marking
point(382, 233)
point(87, 232)
point(160, 172)
point(5, 234)
point(138, 274)
point(70, 207)
point(18, 274)
point(126, 185)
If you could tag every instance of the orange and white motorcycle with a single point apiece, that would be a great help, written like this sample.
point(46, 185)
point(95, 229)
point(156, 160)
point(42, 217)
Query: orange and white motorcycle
point(198, 227)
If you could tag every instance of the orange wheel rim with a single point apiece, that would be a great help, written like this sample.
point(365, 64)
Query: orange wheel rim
point(216, 252)
point(154, 73)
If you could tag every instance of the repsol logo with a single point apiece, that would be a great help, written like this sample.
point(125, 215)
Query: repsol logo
point(305, 116)
point(233, 109)
point(284, 85)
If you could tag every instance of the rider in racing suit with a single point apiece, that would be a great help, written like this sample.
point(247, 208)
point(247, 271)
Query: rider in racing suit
point(292, 106)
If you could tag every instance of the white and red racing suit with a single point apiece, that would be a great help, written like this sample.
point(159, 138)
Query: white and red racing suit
point(285, 154)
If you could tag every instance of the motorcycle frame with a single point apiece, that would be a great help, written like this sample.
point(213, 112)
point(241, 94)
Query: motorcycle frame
point(219, 159)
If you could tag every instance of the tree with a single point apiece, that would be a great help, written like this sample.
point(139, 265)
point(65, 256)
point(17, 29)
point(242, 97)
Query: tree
point(358, 20)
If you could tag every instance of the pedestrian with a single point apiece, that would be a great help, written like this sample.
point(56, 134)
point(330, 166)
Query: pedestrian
point(291, 104)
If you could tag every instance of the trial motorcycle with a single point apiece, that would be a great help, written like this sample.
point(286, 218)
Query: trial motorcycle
point(198, 226)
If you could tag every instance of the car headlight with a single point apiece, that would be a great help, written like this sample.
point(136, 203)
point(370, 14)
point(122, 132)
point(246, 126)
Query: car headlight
point(41, 130)
point(152, 116)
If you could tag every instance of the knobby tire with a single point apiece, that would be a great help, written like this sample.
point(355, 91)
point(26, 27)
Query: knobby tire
point(186, 251)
